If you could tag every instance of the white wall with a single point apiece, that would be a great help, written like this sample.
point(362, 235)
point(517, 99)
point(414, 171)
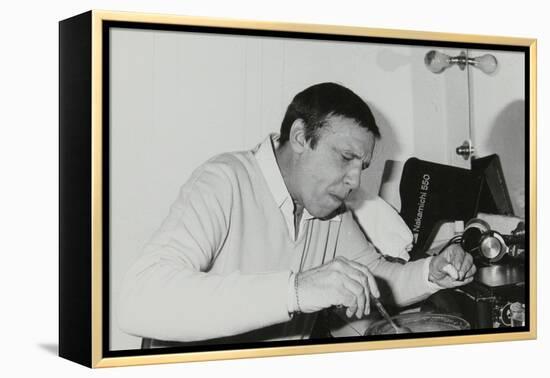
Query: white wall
point(498, 121)
point(28, 194)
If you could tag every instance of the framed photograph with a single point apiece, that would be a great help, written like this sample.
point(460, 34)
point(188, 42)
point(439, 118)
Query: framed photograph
point(234, 189)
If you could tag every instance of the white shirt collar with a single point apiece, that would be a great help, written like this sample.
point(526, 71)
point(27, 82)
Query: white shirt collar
point(265, 156)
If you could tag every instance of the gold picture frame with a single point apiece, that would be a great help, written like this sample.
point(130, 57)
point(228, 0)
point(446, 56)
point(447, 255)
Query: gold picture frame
point(84, 196)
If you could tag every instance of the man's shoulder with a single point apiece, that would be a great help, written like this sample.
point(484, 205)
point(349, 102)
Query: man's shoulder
point(230, 164)
point(224, 171)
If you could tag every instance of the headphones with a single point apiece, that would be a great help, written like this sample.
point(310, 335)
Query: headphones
point(478, 238)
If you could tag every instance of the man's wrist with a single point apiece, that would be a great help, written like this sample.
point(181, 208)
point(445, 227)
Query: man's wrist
point(298, 308)
point(431, 269)
point(429, 279)
point(292, 302)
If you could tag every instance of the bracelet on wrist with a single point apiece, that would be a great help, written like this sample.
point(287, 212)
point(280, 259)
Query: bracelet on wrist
point(298, 308)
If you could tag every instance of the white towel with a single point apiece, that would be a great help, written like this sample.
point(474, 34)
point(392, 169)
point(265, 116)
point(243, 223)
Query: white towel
point(385, 228)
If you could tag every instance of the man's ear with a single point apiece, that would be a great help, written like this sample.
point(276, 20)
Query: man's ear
point(297, 137)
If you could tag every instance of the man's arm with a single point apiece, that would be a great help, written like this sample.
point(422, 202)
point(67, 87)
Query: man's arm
point(412, 282)
point(402, 284)
point(169, 294)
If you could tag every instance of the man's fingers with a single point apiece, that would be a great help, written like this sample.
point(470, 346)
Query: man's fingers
point(358, 281)
point(451, 271)
point(366, 311)
point(356, 271)
point(359, 292)
point(454, 255)
point(358, 300)
point(471, 272)
point(345, 298)
point(372, 286)
point(460, 283)
point(466, 266)
point(361, 273)
point(457, 258)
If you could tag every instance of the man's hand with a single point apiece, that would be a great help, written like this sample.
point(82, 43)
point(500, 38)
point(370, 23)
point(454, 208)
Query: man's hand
point(453, 267)
point(341, 282)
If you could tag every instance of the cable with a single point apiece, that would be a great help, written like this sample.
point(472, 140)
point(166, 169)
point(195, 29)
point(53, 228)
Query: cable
point(454, 240)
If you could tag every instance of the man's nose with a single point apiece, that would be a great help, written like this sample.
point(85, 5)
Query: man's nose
point(353, 178)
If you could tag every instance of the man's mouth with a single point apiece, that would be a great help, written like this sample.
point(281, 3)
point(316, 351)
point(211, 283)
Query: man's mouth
point(338, 198)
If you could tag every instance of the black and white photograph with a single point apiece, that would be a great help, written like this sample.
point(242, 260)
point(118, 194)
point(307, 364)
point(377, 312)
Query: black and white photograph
point(277, 187)
point(233, 189)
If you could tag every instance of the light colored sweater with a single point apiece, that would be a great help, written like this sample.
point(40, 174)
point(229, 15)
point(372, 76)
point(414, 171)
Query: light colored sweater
point(220, 263)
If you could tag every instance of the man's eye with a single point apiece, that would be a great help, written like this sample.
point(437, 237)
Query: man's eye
point(347, 158)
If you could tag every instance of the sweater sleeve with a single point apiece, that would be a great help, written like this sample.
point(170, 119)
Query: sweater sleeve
point(402, 284)
point(169, 293)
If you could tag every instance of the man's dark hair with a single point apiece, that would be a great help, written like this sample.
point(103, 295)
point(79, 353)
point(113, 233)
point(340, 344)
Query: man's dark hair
point(314, 105)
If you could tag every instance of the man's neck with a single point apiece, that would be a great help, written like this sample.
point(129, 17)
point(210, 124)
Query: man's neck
point(283, 155)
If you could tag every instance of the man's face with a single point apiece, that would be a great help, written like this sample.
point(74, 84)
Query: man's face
point(326, 174)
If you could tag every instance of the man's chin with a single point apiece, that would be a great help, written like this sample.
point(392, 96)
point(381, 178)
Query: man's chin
point(331, 214)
